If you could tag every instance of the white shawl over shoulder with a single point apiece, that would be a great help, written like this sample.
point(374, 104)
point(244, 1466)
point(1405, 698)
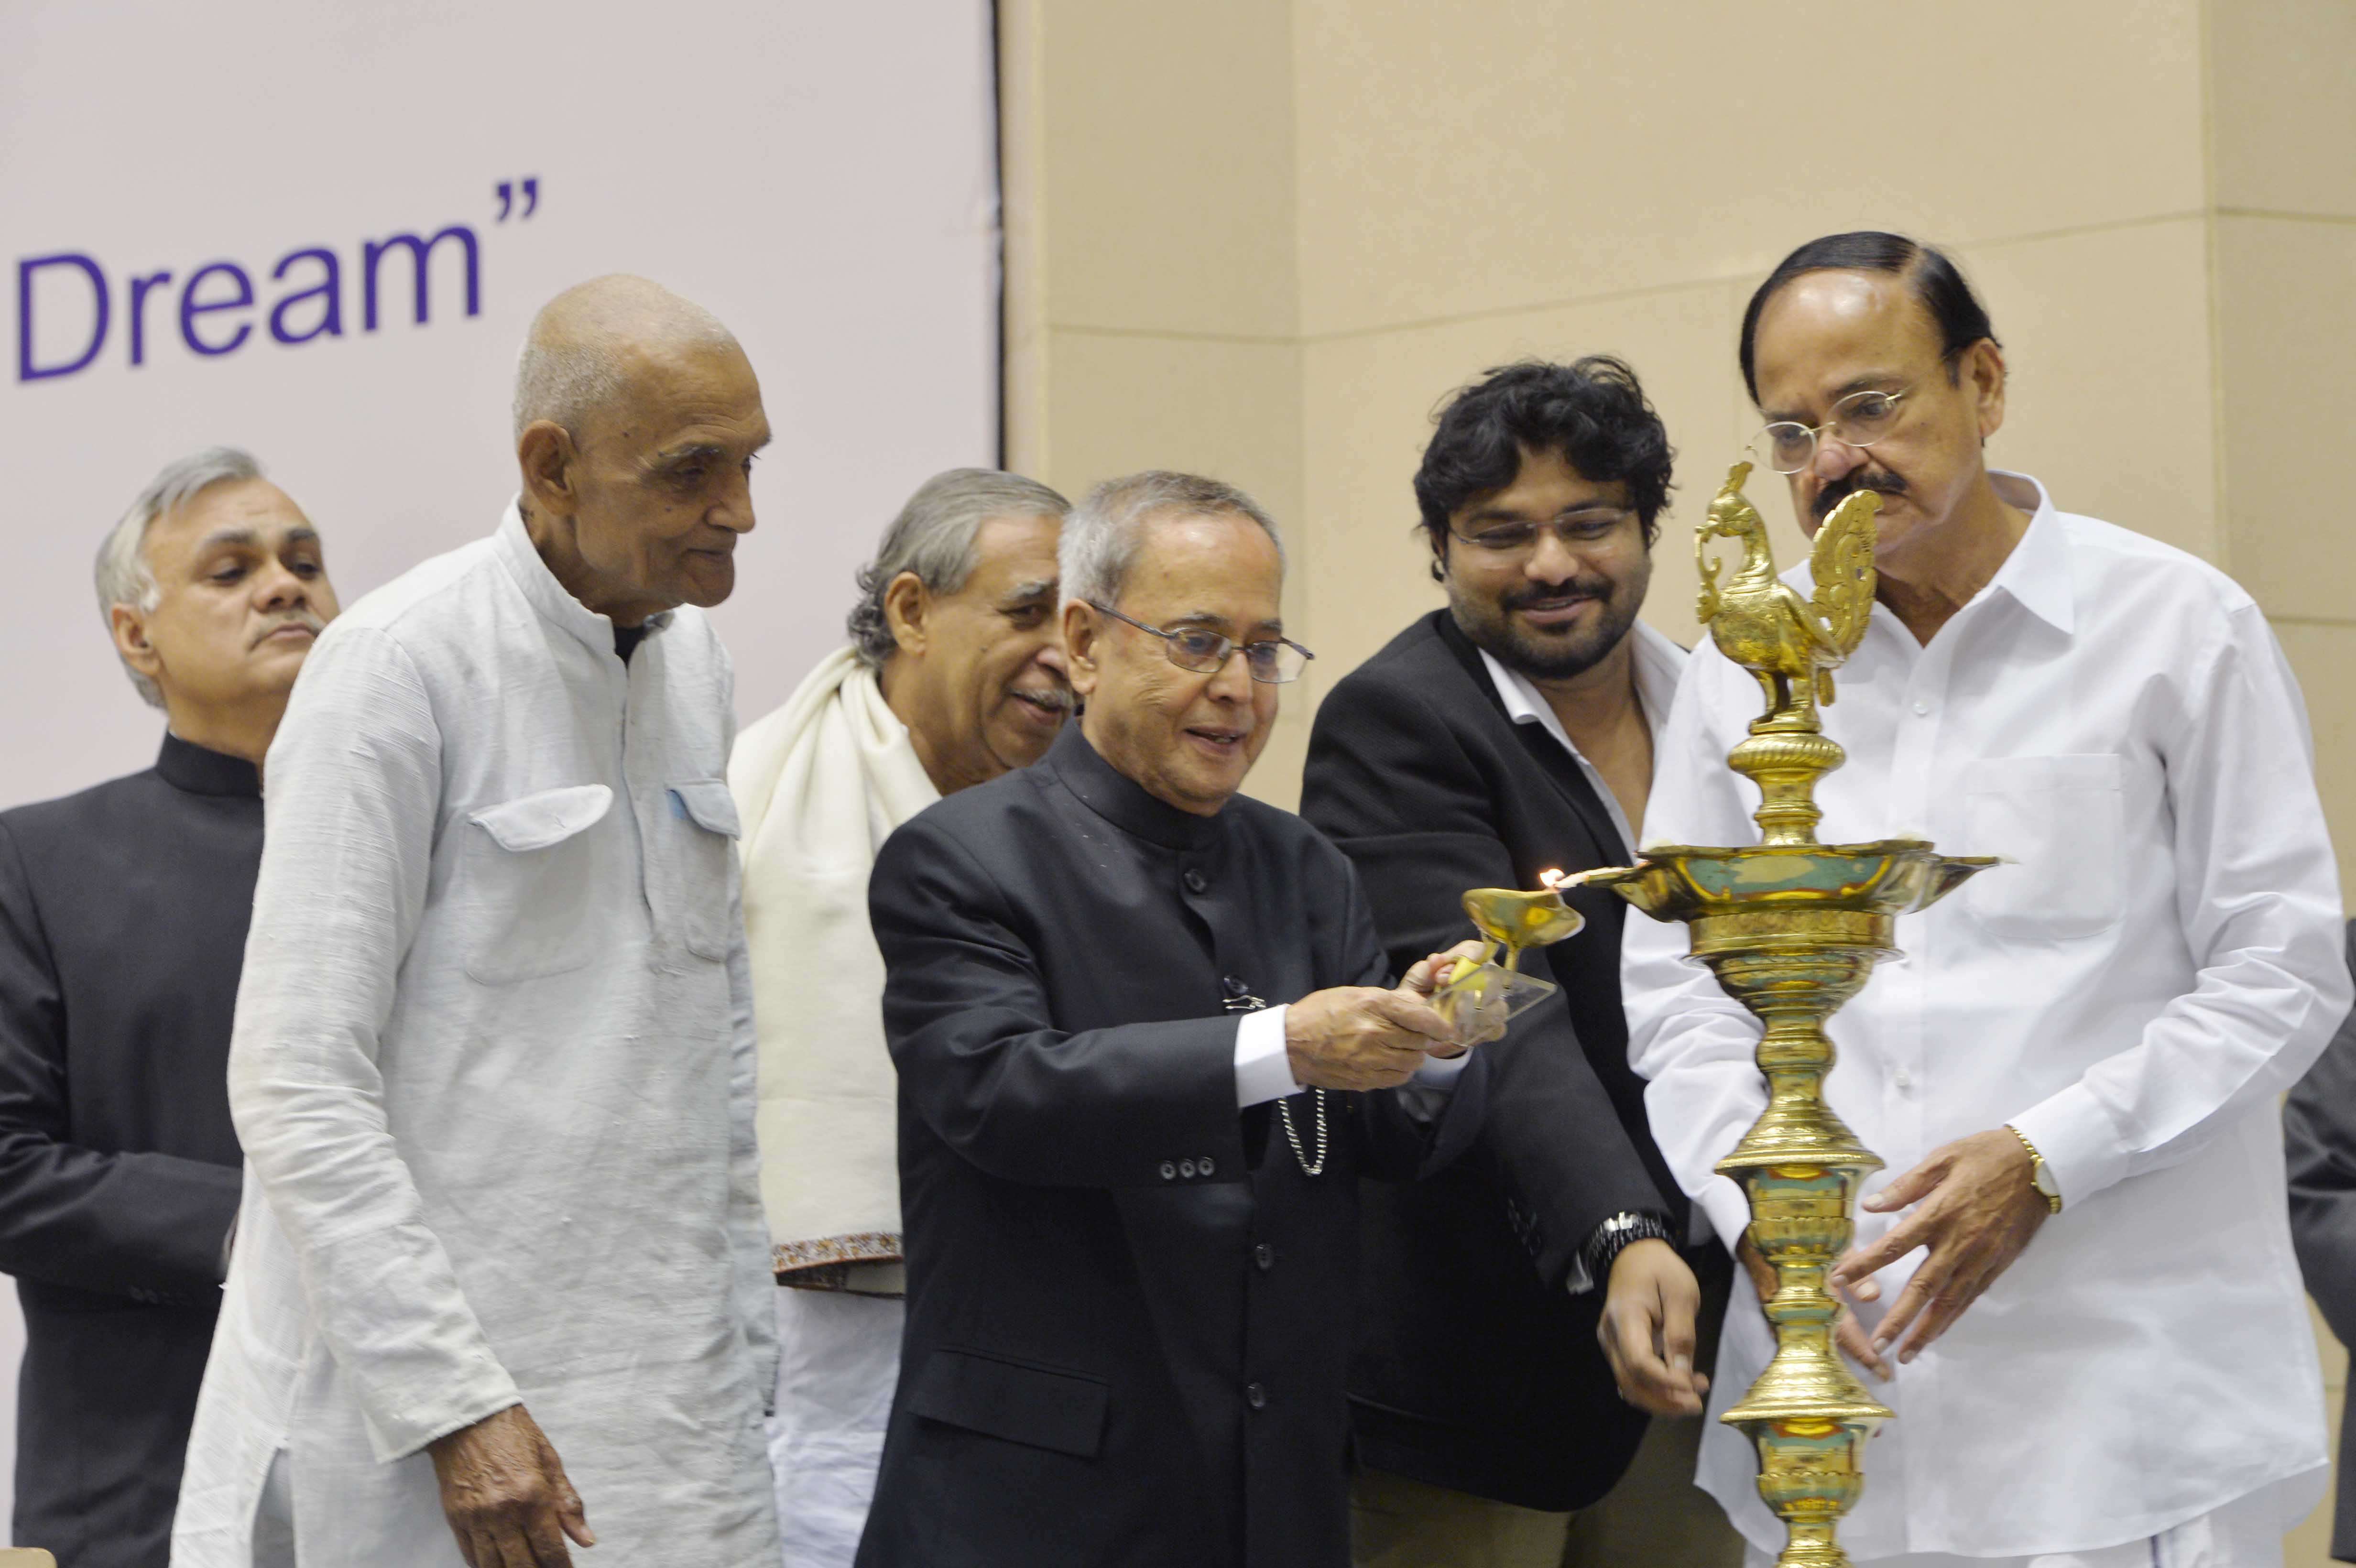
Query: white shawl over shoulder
point(819, 784)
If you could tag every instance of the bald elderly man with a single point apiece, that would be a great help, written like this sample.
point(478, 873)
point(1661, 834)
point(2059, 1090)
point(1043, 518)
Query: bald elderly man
point(501, 1272)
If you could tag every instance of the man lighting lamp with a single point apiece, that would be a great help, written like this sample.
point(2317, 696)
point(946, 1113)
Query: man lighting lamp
point(1130, 1181)
point(2075, 1278)
point(955, 674)
point(122, 920)
point(501, 1272)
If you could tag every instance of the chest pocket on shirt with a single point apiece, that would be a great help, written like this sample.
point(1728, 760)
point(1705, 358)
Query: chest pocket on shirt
point(527, 876)
point(2063, 821)
point(703, 899)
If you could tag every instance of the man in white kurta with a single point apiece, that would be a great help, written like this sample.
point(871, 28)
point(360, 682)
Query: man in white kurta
point(494, 1058)
point(955, 675)
point(2072, 1073)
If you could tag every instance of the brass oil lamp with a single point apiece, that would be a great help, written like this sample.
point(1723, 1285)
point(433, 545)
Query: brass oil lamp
point(1793, 928)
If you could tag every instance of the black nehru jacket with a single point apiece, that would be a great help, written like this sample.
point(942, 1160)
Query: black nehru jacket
point(1129, 1306)
point(123, 919)
point(2319, 1136)
point(1477, 1369)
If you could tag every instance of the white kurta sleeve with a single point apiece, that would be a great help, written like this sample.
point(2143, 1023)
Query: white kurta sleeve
point(2258, 896)
point(1690, 1042)
point(353, 785)
point(748, 1220)
point(748, 1225)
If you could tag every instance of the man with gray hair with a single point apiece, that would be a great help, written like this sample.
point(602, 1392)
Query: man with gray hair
point(500, 1272)
point(953, 675)
point(123, 917)
point(1131, 1180)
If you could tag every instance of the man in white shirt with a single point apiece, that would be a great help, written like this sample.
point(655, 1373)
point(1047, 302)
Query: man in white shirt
point(955, 675)
point(2075, 1278)
point(493, 1063)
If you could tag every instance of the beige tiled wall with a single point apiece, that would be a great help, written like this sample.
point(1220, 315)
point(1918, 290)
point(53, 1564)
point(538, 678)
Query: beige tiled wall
point(1263, 237)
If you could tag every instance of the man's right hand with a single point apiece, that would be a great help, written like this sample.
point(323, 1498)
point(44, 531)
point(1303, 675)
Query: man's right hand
point(1362, 1037)
point(504, 1492)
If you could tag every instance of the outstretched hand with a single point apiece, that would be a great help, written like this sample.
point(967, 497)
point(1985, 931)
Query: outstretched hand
point(506, 1496)
point(1363, 1037)
point(1977, 1209)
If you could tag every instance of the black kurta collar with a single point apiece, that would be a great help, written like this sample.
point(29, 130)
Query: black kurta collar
point(199, 771)
point(1122, 801)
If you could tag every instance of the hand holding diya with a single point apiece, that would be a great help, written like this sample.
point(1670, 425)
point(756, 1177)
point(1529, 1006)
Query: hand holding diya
point(1484, 993)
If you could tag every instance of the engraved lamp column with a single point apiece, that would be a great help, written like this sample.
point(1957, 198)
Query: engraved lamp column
point(1792, 928)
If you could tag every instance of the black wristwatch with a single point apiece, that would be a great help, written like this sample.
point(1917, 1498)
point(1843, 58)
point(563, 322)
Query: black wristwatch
point(1616, 1235)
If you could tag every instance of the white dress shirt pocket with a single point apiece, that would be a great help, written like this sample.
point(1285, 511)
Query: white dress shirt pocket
point(2062, 822)
point(526, 878)
point(704, 916)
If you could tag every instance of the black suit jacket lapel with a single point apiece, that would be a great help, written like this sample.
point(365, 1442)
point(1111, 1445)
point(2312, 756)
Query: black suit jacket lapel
point(1558, 766)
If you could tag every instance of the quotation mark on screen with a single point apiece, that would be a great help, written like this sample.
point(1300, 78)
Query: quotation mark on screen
point(506, 190)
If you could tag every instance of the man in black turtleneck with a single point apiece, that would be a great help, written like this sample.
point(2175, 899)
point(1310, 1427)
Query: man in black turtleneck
point(122, 920)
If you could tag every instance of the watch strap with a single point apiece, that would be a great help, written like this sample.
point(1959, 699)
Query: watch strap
point(1617, 1234)
point(2041, 1176)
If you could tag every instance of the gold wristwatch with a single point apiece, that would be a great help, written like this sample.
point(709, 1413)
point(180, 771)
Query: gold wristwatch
point(2039, 1176)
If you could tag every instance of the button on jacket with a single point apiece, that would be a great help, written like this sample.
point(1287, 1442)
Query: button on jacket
point(122, 914)
point(2161, 960)
point(493, 1070)
point(1129, 1305)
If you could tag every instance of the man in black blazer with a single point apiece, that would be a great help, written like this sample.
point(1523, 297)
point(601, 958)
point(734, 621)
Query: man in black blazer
point(123, 920)
point(2320, 1137)
point(1503, 736)
point(1128, 1182)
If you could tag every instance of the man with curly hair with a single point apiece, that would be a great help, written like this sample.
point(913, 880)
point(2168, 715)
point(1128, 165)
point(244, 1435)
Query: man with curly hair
point(1526, 1309)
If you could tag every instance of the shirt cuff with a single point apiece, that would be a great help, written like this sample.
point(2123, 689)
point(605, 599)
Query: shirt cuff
point(1263, 1069)
point(1441, 1072)
point(2082, 1147)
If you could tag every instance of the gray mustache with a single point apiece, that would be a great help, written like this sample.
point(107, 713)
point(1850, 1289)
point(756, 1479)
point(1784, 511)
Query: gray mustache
point(304, 619)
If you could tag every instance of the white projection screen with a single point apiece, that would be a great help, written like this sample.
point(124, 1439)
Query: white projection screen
point(318, 230)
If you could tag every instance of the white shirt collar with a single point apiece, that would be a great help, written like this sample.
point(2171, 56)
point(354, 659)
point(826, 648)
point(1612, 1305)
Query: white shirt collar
point(1658, 662)
point(2037, 573)
point(546, 594)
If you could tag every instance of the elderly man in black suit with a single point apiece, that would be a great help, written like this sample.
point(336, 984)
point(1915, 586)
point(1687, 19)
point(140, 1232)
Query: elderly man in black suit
point(1128, 1182)
point(123, 920)
point(1505, 735)
point(2320, 1135)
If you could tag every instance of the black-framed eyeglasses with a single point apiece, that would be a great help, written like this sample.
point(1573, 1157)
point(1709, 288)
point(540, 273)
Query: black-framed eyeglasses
point(1580, 530)
point(1272, 661)
point(1859, 420)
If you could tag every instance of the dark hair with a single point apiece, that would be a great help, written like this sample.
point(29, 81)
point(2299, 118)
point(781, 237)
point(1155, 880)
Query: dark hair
point(1954, 310)
point(1591, 410)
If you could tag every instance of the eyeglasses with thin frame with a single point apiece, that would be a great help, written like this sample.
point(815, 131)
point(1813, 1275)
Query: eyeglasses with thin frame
point(1272, 661)
point(1580, 530)
point(1859, 420)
